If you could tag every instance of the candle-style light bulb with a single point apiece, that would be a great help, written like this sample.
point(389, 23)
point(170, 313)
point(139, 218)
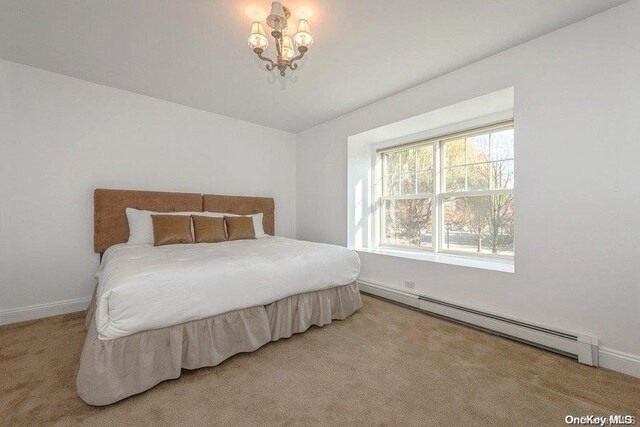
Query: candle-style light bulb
point(303, 36)
point(257, 38)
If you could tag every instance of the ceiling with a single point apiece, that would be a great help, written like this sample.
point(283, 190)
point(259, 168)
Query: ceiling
point(194, 52)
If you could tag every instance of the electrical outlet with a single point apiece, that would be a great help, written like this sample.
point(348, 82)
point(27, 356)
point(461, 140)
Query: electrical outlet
point(410, 285)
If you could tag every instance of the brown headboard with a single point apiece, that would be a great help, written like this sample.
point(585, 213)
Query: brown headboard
point(241, 205)
point(110, 220)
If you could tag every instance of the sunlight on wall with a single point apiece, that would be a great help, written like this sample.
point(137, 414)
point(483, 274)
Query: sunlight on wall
point(358, 210)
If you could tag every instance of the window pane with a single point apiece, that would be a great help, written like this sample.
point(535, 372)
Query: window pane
point(478, 149)
point(454, 152)
point(502, 145)
point(408, 171)
point(425, 182)
point(454, 179)
point(501, 174)
point(479, 224)
point(408, 160)
point(392, 185)
point(425, 157)
point(408, 183)
point(478, 177)
point(391, 163)
point(407, 222)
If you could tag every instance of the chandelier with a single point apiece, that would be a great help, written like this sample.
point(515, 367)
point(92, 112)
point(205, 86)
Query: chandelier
point(286, 55)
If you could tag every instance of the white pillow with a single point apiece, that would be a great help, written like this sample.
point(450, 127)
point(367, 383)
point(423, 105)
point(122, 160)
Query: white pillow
point(257, 225)
point(141, 225)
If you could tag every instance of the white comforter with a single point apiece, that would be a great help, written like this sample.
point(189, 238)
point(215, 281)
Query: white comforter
point(141, 287)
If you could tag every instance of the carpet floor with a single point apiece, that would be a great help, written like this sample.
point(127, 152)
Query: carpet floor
point(385, 365)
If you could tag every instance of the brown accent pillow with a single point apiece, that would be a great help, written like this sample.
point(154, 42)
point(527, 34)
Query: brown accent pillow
point(240, 227)
point(208, 229)
point(171, 229)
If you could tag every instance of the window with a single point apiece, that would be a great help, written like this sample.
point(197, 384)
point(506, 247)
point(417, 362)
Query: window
point(451, 194)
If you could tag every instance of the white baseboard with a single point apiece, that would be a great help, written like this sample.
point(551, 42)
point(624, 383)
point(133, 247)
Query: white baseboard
point(38, 311)
point(396, 295)
point(586, 348)
point(619, 361)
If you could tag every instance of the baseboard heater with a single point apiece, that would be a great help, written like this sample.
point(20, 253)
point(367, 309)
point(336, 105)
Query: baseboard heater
point(582, 347)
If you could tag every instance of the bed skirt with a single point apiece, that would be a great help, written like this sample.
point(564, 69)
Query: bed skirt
point(111, 370)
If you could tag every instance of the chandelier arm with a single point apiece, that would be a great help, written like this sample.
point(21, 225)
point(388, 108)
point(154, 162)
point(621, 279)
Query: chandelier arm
point(271, 65)
point(292, 63)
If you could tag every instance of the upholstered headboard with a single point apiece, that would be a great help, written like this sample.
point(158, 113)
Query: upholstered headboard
point(241, 205)
point(110, 220)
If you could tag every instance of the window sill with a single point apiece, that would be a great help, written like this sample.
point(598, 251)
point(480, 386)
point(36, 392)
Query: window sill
point(495, 264)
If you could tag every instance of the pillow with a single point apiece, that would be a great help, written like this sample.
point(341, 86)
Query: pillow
point(208, 229)
point(257, 221)
point(257, 224)
point(140, 225)
point(240, 227)
point(171, 229)
point(141, 228)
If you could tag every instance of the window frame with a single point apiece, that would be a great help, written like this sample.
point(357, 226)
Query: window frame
point(438, 195)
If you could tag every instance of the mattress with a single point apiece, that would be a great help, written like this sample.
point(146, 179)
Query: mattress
point(142, 287)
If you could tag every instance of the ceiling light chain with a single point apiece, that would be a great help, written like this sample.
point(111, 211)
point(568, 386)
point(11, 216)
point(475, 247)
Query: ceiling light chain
point(286, 57)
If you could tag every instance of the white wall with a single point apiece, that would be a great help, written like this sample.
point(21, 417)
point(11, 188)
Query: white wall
point(577, 119)
point(60, 138)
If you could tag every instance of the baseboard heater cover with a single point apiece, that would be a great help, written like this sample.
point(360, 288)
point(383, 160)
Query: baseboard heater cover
point(582, 347)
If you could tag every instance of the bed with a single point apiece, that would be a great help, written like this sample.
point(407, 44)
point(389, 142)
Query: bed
point(158, 310)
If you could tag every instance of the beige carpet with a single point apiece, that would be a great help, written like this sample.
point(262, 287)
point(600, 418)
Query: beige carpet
point(385, 365)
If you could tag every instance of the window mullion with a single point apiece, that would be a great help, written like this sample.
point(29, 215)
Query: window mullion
point(409, 196)
point(435, 201)
point(477, 193)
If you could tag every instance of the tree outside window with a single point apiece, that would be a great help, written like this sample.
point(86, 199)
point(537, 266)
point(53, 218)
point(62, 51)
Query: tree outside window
point(474, 198)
